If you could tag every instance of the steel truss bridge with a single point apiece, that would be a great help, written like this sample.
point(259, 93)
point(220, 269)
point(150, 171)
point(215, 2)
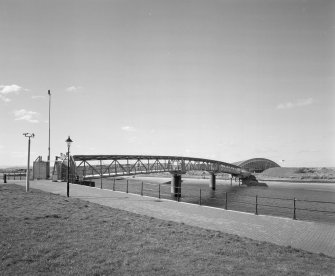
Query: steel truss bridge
point(103, 166)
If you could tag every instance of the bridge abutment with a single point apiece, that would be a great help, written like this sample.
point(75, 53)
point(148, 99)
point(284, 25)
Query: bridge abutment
point(176, 185)
point(212, 183)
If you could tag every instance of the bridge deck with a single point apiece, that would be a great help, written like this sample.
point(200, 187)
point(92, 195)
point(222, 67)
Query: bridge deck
point(99, 166)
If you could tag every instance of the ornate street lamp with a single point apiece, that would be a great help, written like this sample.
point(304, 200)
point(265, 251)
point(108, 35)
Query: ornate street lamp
point(68, 142)
point(29, 135)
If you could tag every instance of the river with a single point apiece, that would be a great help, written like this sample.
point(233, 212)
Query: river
point(276, 199)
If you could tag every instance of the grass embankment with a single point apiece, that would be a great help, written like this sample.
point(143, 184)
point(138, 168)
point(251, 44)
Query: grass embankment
point(44, 233)
point(305, 174)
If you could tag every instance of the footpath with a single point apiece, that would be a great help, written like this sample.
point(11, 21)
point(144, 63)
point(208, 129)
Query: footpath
point(314, 237)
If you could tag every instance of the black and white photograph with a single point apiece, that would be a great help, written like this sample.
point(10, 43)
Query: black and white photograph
point(167, 137)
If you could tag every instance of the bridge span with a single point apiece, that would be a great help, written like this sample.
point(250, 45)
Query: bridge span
point(102, 166)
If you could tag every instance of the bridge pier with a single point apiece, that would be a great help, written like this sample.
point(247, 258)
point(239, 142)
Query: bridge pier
point(212, 183)
point(176, 185)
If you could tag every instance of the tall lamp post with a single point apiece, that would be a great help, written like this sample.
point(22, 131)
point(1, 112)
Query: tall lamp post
point(29, 135)
point(48, 174)
point(68, 142)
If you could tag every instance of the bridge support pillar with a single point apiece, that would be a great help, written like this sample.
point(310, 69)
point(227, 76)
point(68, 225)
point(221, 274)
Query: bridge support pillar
point(176, 185)
point(212, 183)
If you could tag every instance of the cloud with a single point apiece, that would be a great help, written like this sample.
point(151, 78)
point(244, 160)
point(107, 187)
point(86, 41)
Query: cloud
point(298, 103)
point(128, 128)
point(29, 116)
point(73, 88)
point(5, 90)
point(5, 99)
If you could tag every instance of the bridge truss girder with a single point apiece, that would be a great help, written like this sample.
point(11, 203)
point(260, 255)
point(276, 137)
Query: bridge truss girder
point(102, 166)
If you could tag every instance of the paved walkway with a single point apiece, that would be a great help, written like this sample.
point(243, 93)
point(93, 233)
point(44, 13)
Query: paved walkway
point(310, 236)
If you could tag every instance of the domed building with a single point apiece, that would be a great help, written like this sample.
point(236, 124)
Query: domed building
point(256, 165)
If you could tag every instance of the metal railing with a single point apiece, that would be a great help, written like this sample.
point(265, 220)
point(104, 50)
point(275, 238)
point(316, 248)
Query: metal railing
point(287, 207)
point(255, 203)
point(15, 175)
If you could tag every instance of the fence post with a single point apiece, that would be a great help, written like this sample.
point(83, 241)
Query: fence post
point(294, 208)
point(142, 189)
point(200, 198)
point(226, 202)
point(256, 213)
point(159, 191)
point(127, 186)
point(114, 185)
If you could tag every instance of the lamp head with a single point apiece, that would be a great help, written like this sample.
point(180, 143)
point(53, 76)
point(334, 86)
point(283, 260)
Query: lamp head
point(68, 141)
point(29, 135)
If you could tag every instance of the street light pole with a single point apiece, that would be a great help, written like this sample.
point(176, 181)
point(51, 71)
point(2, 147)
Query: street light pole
point(48, 174)
point(29, 135)
point(68, 141)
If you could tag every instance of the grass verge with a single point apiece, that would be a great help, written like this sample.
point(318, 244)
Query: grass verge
point(43, 233)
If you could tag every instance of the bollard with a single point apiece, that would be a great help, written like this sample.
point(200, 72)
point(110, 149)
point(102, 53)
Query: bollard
point(294, 208)
point(159, 191)
point(127, 187)
point(226, 203)
point(256, 212)
point(142, 189)
point(200, 198)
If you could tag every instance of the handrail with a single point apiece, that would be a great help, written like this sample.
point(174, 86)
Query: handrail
point(228, 201)
point(316, 201)
point(280, 198)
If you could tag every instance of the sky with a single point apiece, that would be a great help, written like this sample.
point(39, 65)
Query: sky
point(226, 80)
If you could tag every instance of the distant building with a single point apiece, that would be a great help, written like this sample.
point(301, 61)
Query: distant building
point(256, 165)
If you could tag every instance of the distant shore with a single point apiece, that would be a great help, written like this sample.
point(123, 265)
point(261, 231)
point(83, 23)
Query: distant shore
point(297, 180)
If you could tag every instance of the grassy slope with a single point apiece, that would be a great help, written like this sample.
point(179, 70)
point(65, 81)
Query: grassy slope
point(43, 233)
point(299, 173)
